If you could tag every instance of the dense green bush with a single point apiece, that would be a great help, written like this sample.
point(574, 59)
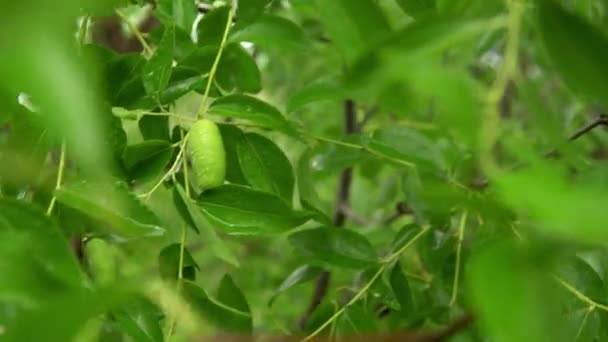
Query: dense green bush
point(390, 166)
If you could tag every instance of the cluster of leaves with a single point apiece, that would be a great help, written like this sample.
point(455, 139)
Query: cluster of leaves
point(443, 109)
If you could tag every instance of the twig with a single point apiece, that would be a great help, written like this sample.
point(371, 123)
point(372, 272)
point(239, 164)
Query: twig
point(461, 226)
point(343, 194)
point(59, 179)
point(216, 62)
point(390, 259)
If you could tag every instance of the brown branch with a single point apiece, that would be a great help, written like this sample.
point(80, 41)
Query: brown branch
point(343, 194)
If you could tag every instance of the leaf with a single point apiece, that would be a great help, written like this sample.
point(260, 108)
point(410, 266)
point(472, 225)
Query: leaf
point(529, 312)
point(322, 90)
point(578, 216)
point(221, 315)
point(231, 136)
point(178, 12)
point(242, 210)
point(157, 71)
point(306, 188)
point(408, 145)
point(168, 263)
point(102, 261)
point(113, 204)
point(201, 224)
point(35, 260)
point(265, 166)
point(139, 319)
point(238, 70)
point(576, 48)
point(147, 159)
point(229, 294)
point(337, 247)
point(401, 289)
point(211, 27)
point(83, 304)
point(332, 158)
point(353, 26)
point(417, 8)
point(300, 275)
point(272, 32)
point(251, 109)
point(249, 11)
point(154, 127)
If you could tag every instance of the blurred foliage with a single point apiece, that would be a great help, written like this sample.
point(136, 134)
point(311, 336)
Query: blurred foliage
point(438, 158)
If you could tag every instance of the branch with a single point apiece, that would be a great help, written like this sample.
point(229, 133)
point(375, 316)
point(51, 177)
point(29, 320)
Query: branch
point(343, 194)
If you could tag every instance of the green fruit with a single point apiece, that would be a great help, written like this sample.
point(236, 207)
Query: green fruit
point(207, 153)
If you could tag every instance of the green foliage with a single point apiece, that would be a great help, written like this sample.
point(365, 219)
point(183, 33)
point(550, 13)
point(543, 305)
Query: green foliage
point(366, 167)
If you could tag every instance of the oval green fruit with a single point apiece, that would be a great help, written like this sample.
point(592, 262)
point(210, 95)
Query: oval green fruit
point(207, 153)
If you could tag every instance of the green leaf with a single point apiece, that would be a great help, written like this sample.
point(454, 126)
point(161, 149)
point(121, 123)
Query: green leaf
point(273, 32)
point(577, 49)
point(300, 275)
point(401, 290)
point(332, 158)
point(250, 109)
point(353, 26)
point(177, 12)
point(238, 70)
point(529, 312)
point(417, 8)
point(322, 90)
point(83, 305)
point(157, 71)
point(154, 127)
point(265, 166)
point(35, 260)
point(231, 136)
point(306, 188)
point(168, 263)
point(113, 204)
point(201, 224)
point(139, 319)
point(102, 260)
point(242, 210)
point(211, 27)
point(578, 216)
point(249, 11)
point(219, 314)
point(147, 159)
point(408, 145)
point(229, 294)
point(333, 246)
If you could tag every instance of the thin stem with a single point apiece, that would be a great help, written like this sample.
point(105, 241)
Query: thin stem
point(59, 179)
point(367, 286)
point(169, 114)
point(461, 226)
point(355, 298)
point(490, 125)
point(583, 322)
point(171, 169)
point(147, 49)
point(180, 279)
point(216, 62)
point(581, 296)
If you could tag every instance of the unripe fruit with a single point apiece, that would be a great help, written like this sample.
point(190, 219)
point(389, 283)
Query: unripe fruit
point(206, 149)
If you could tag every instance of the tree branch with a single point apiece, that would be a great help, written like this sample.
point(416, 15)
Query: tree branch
point(343, 194)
